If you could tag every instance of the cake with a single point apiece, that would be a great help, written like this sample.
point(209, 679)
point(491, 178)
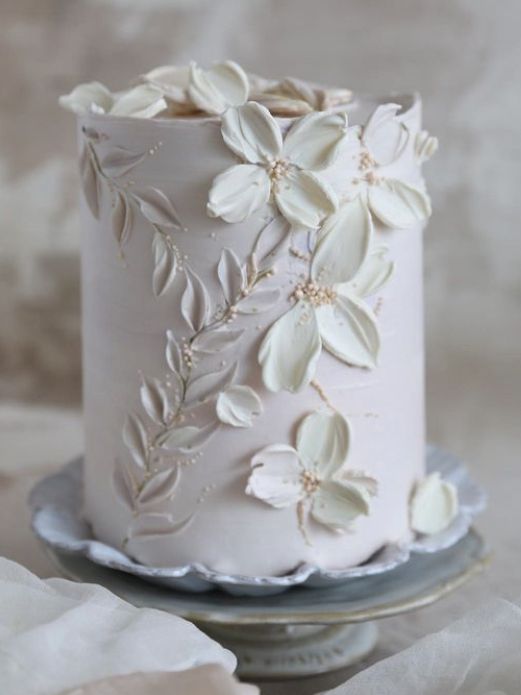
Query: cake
point(253, 343)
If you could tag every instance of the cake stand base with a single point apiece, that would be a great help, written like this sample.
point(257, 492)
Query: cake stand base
point(292, 651)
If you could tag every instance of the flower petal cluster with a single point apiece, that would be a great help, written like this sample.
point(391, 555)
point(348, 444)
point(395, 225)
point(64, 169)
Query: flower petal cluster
point(313, 474)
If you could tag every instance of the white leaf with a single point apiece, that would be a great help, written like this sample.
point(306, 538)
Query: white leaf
point(165, 264)
point(120, 161)
point(157, 208)
point(171, 80)
point(213, 341)
point(425, 145)
point(195, 302)
point(259, 301)
point(135, 439)
point(189, 438)
point(238, 192)
point(90, 182)
point(252, 133)
point(216, 89)
point(290, 350)
point(305, 199)
point(121, 219)
point(343, 244)
point(337, 505)
point(155, 400)
point(348, 330)
point(208, 385)
point(160, 487)
point(123, 487)
point(434, 505)
point(374, 274)
point(143, 101)
point(87, 97)
point(277, 476)
point(398, 204)
point(282, 105)
point(323, 442)
point(153, 525)
point(384, 135)
point(314, 141)
point(271, 240)
point(238, 406)
point(173, 353)
point(231, 276)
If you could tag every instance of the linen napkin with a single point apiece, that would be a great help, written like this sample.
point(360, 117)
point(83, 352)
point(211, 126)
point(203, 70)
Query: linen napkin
point(56, 635)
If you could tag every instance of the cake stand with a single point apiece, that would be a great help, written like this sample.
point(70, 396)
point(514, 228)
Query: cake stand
point(302, 631)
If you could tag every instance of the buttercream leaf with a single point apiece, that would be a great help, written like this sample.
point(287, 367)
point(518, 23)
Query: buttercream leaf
point(205, 387)
point(171, 80)
point(90, 182)
point(123, 487)
point(238, 192)
point(348, 330)
point(160, 487)
point(343, 244)
point(290, 350)
point(298, 89)
point(336, 505)
point(276, 476)
point(238, 406)
point(157, 208)
point(282, 105)
point(195, 302)
point(323, 442)
point(271, 240)
point(434, 505)
point(143, 101)
point(119, 161)
point(259, 301)
point(305, 199)
point(425, 145)
point(210, 342)
point(252, 133)
point(152, 525)
point(384, 135)
point(231, 276)
point(189, 438)
point(216, 89)
point(121, 219)
point(374, 274)
point(314, 141)
point(90, 96)
point(165, 264)
point(155, 400)
point(135, 439)
point(173, 353)
point(398, 204)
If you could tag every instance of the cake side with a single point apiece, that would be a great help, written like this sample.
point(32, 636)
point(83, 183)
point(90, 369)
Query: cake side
point(254, 386)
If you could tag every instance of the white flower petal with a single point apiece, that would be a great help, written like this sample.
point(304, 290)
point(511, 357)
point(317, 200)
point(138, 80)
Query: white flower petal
point(384, 135)
point(238, 405)
point(238, 192)
point(398, 204)
point(304, 199)
point(276, 476)
point(348, 330)
point(171, 80)
point(374, 274)
point(337, 505)
point(290, 350)
point(86, 96)
point(252, 133)
point(425, 145)
point(216, 89)
point(144, 101)
point(434, 505)
point(313, 142)
point(343, 244)
point(323, 442)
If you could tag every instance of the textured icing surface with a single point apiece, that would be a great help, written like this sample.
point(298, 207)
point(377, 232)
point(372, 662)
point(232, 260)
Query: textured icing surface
point(144, 261)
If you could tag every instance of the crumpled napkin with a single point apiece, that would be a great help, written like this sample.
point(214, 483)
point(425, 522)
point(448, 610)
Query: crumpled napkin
point(56, 635)
point(477, 655)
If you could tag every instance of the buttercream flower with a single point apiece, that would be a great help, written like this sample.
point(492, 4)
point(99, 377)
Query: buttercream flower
point(312, 475)
point(328, 310)
point(394, 202)
point(277, 168)
point(89, 96)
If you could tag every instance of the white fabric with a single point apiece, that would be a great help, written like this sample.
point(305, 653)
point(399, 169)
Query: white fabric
point(477, 655)
point(56, 635)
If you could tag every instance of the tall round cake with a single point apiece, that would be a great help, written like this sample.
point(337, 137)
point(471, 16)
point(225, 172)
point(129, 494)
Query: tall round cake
point(252, 321)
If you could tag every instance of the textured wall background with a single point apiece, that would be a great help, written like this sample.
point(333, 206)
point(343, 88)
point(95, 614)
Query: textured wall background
point(462, 55)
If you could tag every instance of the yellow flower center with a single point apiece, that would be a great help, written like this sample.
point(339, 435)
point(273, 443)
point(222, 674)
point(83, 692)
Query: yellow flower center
point(278, 169)
point(316, 294)
point(310, 482)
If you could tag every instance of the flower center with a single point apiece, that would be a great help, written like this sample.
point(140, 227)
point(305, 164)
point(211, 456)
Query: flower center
point(278, 169)
point(366, 161)
point(316, 294)
point(310, 482)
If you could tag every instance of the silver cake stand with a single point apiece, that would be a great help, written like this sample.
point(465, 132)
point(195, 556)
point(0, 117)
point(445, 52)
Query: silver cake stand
point(302, 631)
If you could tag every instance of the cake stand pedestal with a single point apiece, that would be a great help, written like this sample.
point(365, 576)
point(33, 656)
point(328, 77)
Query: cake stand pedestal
point(302, 631)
